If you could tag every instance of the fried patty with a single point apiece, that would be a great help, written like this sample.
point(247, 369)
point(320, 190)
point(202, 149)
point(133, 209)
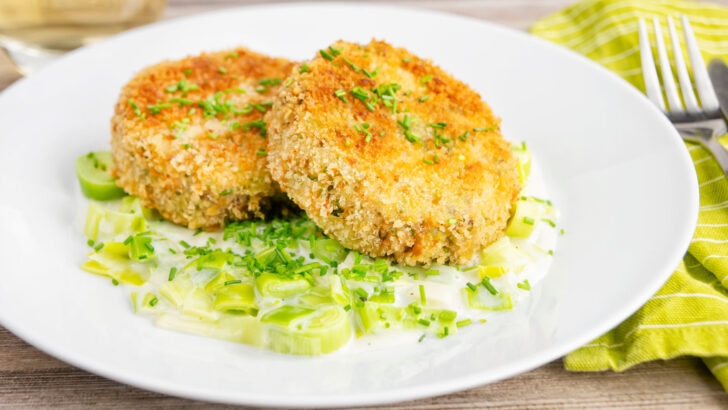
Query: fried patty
point(391, 155)
point(188, 136)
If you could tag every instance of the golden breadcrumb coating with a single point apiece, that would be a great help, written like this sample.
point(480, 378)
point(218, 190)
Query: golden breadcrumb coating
point(187, 136)
point(417, 171)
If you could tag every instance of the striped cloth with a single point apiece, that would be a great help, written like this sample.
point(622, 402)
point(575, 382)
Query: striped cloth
point(689, 315)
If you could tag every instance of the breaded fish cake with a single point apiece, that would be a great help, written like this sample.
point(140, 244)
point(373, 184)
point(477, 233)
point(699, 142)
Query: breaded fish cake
point(391, 155)
point(188, 136)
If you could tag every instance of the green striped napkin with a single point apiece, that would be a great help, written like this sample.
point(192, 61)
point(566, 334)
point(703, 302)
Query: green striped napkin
point(689, 315)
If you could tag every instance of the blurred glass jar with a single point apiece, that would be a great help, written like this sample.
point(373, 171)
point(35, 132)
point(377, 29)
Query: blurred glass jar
point(34, 31)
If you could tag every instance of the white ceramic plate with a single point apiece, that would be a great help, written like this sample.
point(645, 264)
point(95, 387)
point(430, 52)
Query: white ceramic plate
point(615, 168)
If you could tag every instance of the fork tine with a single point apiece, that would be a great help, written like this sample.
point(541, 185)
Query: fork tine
point(652, 83)
point(673, 98)
point(702, 82)
point(691, 104)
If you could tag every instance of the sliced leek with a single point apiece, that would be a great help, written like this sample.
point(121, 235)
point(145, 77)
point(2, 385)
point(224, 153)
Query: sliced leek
point(482, 299)
point(104, 223)
point(236, 298)
point(280, 286)
point(94, 174)
point(524, 219)
point(304, 331)
point(284, 287)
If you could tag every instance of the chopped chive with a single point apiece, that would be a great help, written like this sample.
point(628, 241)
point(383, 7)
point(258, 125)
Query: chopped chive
point(451, 221)
point(335, 52)
point(90, 242)
point(233, 282)
point(410, 136)
point(185, 244)
point(550, 222)
point(359, 93)
point(186, 146)
point(431, 272)
point(424, 322)
point(524, 285)
point(438, 125)
point(269, 81)
point(434, 158)
point(370, 74)
point(421, 337)
point(222, 70)
point(528, 220)
point(341, 94)
point(562, 231)
point(428, 161)
point(99, 246)
point(369, 106)
point(425, 79)
point(326, 55)
point(347, 308)
point(114, 282)
point(261, 152)
point(157, 108)
point(416, 309)
point(406, 60)
point(362, 293)
point(551, 252)
point(182, 102)
point(539, 200)
point(423, 297)
point(226, 192)
point(463, 323)
point(232, 54)
point(154, 301)
point(352, 65)
point(288, 83)
point(486, 283)
point(197, 232)
point(472, 287)
point(424, 98)
point(172, 251)
point(172, 273)
point(188, 72)
point(213, 136)
point(304, 68)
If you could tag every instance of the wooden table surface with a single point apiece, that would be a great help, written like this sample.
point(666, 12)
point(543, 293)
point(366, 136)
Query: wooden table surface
point(30, 378)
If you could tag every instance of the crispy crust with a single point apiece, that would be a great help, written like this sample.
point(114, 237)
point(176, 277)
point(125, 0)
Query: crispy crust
point(381, 197)
point(170, 161)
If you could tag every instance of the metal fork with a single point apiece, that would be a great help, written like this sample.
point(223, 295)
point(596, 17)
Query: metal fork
point(694, 123)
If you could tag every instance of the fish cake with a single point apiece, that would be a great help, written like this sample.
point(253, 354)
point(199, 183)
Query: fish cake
point(391, 155)
point(188, 136)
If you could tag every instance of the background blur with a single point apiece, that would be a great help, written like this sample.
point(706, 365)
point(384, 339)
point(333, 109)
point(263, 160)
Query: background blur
point(34, 32)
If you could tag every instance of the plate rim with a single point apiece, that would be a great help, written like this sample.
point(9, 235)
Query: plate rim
point(401, 394)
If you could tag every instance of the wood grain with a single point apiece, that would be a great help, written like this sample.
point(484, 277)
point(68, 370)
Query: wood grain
point(31, 379)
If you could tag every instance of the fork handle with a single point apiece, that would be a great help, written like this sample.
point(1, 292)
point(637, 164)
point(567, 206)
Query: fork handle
point(719, 152)
point(706, 133)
